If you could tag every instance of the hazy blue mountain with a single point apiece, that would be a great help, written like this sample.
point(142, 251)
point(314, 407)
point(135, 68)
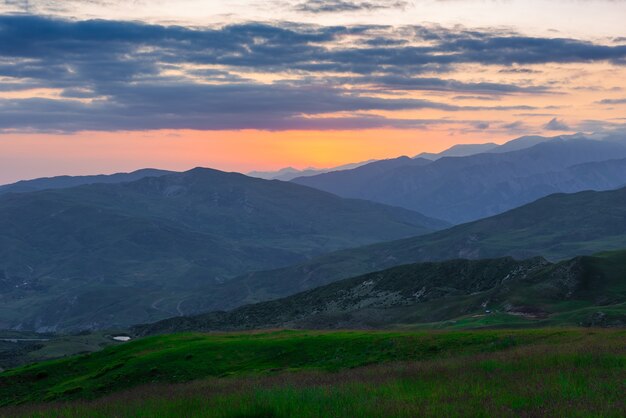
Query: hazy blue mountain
point(465, 150)
point(114, 254)
point(529, 141)
point(459, 150)
point(556, 227)
point(62, 182)
point(289, 173)
point(357, 178)
point(462, 189)
point(581, 291)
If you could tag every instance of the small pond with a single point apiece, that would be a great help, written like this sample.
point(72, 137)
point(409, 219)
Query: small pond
point(122, 338)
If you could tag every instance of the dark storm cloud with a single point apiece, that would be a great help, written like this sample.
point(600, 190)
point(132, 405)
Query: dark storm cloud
point(113, 75)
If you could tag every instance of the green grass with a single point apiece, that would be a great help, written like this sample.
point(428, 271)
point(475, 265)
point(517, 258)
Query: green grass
point(558, 372)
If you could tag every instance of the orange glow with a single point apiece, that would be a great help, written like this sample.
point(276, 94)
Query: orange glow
point(36, 155)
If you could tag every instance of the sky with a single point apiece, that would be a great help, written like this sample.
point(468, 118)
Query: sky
point(101, 86)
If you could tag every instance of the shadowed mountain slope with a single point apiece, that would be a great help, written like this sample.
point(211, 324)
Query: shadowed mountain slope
point(113, 254)
point(63, 182)
point(557, 227)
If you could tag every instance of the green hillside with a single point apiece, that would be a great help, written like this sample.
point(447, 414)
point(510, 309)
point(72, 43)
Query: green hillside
point(286, 373)
point(557, 227)
point(109, 255)
point(587, 291)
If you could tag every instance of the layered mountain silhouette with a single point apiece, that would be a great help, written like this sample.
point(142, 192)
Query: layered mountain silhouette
point(465, 150)
point(462, 189)
point(63, 182)
point(290, 173)
point(102, 255)
point(459, 150)
point(556, 227)
point(113, 252)
point(580, 291)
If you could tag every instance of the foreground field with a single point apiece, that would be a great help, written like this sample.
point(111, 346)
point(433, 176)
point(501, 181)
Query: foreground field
point(342, 374)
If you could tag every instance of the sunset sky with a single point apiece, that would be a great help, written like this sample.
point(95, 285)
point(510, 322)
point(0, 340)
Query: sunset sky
point(99, 86)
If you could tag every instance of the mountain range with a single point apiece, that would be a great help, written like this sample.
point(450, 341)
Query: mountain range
point(133, 248)
point(103, 255)
point(290, 173)
point(463, 189)
point(465, 150)
point(459, 150)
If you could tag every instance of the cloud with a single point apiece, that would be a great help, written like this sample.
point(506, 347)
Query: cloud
point(175, 105)
point(515, 49)
point(481, 125)
point(117, 75)
point(400, 82)
point(556, 125)
point(518, 71)
point(465, 97)
point(338, 6)
point(285, 46)
point(515, 127)
point(612, 101)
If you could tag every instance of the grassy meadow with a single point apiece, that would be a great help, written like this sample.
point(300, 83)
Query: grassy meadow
point(547, 372)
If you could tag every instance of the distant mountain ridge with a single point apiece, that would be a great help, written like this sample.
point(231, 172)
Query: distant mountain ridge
point(63, 182)
point(102, 255)
point(462, 189)
point(466, 150)
point(289, 173)
point(459, 150)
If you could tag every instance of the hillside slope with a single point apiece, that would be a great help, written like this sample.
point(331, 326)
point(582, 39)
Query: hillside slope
point(581, 291)
point(559, 226)
point(105, 255)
